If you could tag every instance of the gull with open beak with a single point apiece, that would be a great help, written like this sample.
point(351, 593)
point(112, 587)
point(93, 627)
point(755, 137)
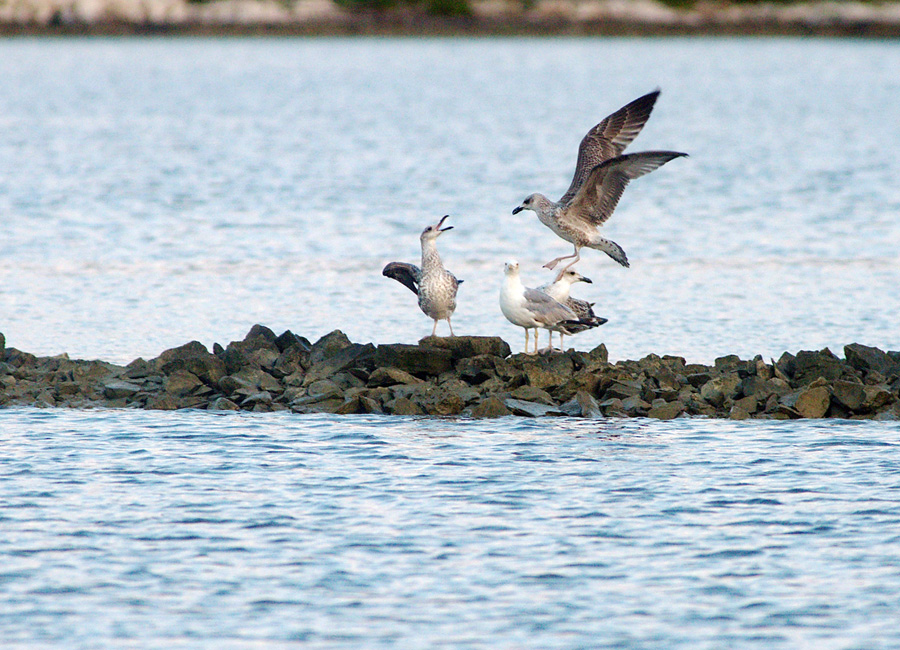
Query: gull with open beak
point(434, 285)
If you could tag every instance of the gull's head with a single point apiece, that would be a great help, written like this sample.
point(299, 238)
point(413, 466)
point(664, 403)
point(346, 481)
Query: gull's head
point(433, 232)
point(530, 203)
point(571, 276)
point(511, 267)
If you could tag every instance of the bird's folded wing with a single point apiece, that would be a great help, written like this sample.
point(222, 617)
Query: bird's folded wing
point(546, 309)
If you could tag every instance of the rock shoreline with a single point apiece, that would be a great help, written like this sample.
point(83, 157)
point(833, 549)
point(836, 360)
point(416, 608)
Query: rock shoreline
point(470, 376)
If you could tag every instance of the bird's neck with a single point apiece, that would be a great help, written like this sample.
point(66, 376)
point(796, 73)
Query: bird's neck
point(513, 285)
point(559, 290)
point(430, 257)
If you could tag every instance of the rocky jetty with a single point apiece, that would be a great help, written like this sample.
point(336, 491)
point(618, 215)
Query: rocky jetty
point(469, 375)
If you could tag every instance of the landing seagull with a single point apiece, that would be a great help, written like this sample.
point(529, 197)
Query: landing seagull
point(601, 175)
point(559, 290)
point(435, 286)
point(530, 308)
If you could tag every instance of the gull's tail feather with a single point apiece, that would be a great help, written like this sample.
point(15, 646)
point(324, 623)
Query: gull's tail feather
point(612, 249)
point(571, 327)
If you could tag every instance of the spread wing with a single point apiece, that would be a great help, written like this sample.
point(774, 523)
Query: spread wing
point(406, 274)
point(609, 138)
point(599, 195)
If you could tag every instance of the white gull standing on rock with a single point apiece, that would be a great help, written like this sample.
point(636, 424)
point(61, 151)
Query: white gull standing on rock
point(530, 308)
point(434, 285)
point(601, 175)
point(559, 290)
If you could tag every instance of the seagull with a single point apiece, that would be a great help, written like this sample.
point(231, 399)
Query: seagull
point(602, 173)
point(559, 291)
point(530, 308)
point(435, 286)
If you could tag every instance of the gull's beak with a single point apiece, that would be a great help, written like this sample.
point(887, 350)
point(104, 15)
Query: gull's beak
point(444, 218)
point(518, 210)
point(588, 280)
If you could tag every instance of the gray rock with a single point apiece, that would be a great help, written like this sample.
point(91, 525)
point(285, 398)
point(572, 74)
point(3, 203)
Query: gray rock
point(414, 359)
point(531, 409)
point(698, 379)
point(192, 357)
point(738, 413)
point(877, 397)
point(230, 384)
point(476, 369)
point(763, 371)
point(582, 405)
point(463, 347)
point(115, 389)
point(2, 346)
point(750, 403)
point(181, 383)
point(138, 369)
point(810, 365)
point(323, 389)
point(548, 371)
point(350, 406)
point(849, 394)
point(223, 404)
point(290, 340)
point(623, 389)
point(437, 401)
point(720, 388)
point(599, 354)
point(530, 393)
point(868, 359)
point(491, 407)
point(813, 402)
point(391, 377)
point(665, 410)
point(635, 406)
point(404, 406)
point(262, 332)
point(348, 357)
point(262, 397)
point(290, 361)
point(328, 346)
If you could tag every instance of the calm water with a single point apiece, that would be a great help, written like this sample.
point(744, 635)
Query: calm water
point(124, 529)
point(156, 191)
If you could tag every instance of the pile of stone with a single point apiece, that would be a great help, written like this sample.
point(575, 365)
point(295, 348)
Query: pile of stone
point(469, 376)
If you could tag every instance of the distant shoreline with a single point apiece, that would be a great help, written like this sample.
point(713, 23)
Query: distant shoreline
point(439, 28)
point(641, 18)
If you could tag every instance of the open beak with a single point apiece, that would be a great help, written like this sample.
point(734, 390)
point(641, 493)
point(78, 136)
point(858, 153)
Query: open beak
point(444, 218)
point(518, 210)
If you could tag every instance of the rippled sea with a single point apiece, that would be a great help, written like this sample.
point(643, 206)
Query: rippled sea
point(158, 191)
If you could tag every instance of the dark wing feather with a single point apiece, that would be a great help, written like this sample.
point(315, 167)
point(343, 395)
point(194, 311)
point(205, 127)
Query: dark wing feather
point(406, 274)
point(599, 195)
point(587, 319)
point(609, 138)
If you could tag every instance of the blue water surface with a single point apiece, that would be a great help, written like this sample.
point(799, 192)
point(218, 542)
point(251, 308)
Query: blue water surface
point(157, 191)
point(161, 530)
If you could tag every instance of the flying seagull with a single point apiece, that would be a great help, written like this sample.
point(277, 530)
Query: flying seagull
point(602, 173)
point(433, 284)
